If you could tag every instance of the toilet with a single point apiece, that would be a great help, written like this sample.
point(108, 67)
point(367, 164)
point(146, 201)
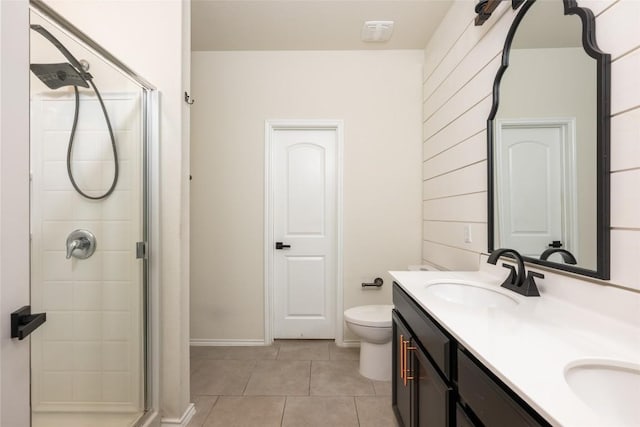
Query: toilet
point(372, 324)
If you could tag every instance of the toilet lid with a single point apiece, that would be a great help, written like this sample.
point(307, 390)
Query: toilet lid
point(370, 315)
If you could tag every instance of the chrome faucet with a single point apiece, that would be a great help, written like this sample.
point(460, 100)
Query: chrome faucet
point(518, 280)
point(80, 244)
point(567, 256)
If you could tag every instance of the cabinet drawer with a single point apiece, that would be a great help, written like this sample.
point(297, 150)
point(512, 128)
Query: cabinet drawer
point(488, 401)
point(434, 340)
point(435, 399)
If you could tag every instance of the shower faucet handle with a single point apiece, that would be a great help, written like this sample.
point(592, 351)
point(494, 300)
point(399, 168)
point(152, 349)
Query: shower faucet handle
point(75, 244)
point(81, 244)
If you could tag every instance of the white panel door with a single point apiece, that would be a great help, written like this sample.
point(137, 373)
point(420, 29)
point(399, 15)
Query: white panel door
point(304, 218)
point(530, 188)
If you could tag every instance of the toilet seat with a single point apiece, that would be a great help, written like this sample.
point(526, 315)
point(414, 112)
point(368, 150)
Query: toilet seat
point(376, 316)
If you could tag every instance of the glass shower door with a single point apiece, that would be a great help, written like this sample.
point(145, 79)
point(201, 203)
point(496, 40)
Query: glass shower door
point(88, 359)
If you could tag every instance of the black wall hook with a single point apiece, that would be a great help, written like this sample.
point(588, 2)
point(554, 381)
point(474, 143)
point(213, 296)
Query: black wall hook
point(188, 99)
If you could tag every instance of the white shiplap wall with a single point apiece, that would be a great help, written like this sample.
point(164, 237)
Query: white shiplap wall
point(460, 64)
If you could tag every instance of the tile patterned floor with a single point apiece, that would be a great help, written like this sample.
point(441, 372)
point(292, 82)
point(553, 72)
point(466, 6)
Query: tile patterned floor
point(293, 383)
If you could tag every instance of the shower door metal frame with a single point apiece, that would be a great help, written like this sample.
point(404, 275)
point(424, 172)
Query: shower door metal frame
point(150, 206)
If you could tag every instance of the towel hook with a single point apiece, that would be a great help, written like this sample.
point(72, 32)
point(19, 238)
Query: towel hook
point(188, 99)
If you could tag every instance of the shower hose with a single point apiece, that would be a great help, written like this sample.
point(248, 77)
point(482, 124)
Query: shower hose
point(86, 77)
point(72, 137)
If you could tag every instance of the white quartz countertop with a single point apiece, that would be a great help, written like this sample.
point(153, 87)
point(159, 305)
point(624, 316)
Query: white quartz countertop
point(530, 344)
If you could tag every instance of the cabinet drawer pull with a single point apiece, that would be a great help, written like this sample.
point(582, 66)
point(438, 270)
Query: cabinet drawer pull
point(406, 371)
point(402, 357)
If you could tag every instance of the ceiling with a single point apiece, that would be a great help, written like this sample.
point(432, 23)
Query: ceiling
point(311, 24)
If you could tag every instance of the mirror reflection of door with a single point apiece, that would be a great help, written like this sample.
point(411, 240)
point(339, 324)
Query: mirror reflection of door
point(549, 78)
point(535, 185)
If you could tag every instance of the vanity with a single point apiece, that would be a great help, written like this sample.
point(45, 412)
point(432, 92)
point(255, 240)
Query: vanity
point(467, 352)
point(467, 349)
point(437, 382)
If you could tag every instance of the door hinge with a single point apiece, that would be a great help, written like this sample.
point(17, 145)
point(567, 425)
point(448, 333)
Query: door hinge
point(141, 250)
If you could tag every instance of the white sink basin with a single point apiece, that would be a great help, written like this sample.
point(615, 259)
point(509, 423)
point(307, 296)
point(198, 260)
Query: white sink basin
point(610, 388)
point(470, 295)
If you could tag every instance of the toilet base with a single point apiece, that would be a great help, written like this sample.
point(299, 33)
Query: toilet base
point(375, 361)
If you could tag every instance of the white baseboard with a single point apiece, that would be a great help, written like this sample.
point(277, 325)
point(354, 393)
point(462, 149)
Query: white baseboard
point(222, 343)
point(183, 420)
point(349, 343)
point(245, 343)
point(150, 419)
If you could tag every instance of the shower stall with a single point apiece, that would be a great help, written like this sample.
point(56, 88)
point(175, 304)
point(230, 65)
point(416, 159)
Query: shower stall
point(92, 123)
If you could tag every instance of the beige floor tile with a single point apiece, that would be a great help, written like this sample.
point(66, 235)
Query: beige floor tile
point(375, 411)
point(279, 378)
point(246, 412)
point(235, 353)
point(339, 378)
point(382, 388)
point(303, 349)
point(203, 407)
point(343, 353)
point(221, 377)
point(194, 364)
point(247, 386)
point(320, 412)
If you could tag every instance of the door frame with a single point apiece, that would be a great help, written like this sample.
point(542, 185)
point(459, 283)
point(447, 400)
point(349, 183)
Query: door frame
point(567, 125)
point(272, 126)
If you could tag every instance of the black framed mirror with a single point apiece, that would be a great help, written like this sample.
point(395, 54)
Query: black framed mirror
point(548, 141)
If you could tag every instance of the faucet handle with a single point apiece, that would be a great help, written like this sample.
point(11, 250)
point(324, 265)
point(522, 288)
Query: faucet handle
point(511, 278)
point(72, 246)
point(532, 274)
point(80, 244)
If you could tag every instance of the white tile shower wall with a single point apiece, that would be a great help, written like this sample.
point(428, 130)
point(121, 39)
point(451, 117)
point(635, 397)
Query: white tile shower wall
point(89, 355)
point(457, 99)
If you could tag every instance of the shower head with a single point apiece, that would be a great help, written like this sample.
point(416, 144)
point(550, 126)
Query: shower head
point(64, 74)
point(58, 75)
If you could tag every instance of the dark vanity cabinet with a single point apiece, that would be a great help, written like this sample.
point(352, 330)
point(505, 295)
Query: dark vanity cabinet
point(491, 402)
point(437, 383)
point(422, 394)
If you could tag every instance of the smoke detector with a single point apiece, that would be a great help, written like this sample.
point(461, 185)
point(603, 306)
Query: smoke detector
point(377, 31)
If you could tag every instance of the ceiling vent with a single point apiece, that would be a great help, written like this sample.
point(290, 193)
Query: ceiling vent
point(377, 31)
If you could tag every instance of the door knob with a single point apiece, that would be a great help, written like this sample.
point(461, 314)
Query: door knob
point(279, 245)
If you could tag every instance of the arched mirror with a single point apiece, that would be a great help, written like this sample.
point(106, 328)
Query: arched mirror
point(548, 141)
